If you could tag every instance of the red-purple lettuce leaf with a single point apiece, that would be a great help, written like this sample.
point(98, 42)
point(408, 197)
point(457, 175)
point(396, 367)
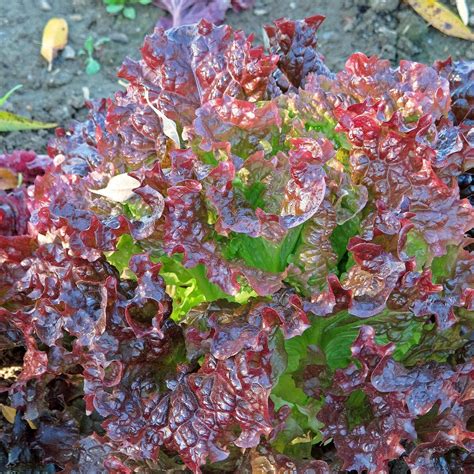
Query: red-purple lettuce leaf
point(295, 44)
point(385, 401)
point(185, 12)
point(439, 214)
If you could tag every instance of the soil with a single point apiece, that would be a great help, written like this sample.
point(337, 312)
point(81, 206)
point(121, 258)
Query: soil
point(388, 28)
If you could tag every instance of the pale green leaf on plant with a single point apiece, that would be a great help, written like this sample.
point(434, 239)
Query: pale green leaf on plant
point(120, 258)
point(358, 409)
point(332, 335)
point(328, 128)
point(351, 203)
point(190, 287)
point(416, 246)
point(261, 253)
point(302, 429)
point(92, 65)
point(408, 336)
point(442, 268)
point(10, 122)
point(340, 238)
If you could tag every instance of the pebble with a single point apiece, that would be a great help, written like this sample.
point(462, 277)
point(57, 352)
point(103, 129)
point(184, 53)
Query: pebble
point(327, 35)
point(33, 81)
point(76, 100)
point(86, 93)
point(44, 5)
point(118, 37)
point(260, 11)
point(69, 52)
point(470, 52)
point(389, 51)
point(388, 33)
point(62, 113)
point(384, 5)
point(61, 78)
point(76, 17)
point(412, 27)
point(407, 47)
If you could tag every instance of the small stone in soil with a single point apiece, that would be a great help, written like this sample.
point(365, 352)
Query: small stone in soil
point(69, 52)
point(470, 52)
point(76, 101)
point(60, 79)
point(44, 5)
point(62, 114)
point(412, 27)
point(384, 5)
point(118, 37)
point(86, 93)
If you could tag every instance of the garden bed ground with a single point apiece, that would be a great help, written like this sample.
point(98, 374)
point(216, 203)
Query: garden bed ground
point(383, 27)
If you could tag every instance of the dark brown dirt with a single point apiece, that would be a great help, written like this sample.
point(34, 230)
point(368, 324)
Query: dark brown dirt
point(384, 27)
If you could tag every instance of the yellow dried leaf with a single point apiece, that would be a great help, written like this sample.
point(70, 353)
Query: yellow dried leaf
point(12, 123)
point(54, 38)
point(8, 412)
point(8, 179)
point(31, 425)
point(442, 18)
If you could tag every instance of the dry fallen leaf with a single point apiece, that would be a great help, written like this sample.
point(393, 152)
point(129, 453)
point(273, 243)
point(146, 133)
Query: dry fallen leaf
point(463, 11)
point(8, 412)
point(31, 424)
point(169, 126)
point(11, 123)
point(119, 188)
point(442, 18)
point(54, 38)
point(8, 179)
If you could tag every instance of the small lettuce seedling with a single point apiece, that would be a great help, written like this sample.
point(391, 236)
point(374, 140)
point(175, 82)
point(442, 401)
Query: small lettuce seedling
point(125, 7)
point(92, 64)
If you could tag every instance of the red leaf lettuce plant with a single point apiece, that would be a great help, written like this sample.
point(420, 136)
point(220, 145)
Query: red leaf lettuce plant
point(287, 288)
